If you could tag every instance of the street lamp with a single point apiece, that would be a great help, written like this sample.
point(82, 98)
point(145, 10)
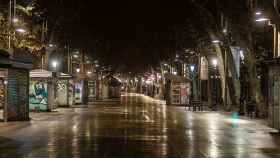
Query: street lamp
point(262, 19)
point(216, 41)
point(224, 30)
point(192, 67)
point(15, 20)
point(78, 70)
point(51, 45)
point(241, 53)
point(54, 65)
point(215, 63)
point(192, 75)
point(258, 13)
point(20, 30)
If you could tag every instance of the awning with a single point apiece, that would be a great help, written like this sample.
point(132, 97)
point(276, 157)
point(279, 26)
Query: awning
point(40, 73)
point(63, 75)
point(175, 78)
point(112, 81)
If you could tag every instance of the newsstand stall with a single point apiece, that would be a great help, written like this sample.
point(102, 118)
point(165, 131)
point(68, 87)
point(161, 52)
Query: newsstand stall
point(41, 91)
point(64, 90)
point(14, 82)
point(177, 90)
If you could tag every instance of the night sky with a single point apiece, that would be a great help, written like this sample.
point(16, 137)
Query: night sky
point(127, 34)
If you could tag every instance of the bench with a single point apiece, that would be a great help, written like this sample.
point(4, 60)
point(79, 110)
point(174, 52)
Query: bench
point(195, 105)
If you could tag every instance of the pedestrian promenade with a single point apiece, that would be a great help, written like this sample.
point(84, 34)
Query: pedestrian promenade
point(138, 127)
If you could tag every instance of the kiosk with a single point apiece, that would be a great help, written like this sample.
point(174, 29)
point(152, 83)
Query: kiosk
point(41, 91)
point(177, 90)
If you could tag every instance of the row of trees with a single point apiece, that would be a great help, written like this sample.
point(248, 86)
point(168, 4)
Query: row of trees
point(22, 27)
point(231, 23)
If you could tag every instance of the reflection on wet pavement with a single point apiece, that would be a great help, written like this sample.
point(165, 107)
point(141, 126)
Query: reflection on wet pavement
point(137, 128)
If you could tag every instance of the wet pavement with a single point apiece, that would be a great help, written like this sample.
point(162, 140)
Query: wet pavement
point(139, 127)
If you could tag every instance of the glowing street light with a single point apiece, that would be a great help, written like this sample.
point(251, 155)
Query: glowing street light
point(20, 30)
point(224, 30)
point(54, 64)
point(15, 20)
point(215, 62)
point(192, 68)
point(262, 19)
point(216, 41)
point(51, 45)
point(78, 70)
point(241, 53)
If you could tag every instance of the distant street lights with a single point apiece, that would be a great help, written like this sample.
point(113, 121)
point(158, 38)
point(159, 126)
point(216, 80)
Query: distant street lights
point(192, 67)
point(216, 41)
point(20, 30)
point(15, 20)
point(78, 70)
point(262, 19)
point(258, 13)
point(54, 65)
point(215, 62)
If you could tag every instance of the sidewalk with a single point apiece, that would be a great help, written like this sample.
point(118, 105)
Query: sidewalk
point(232, 114)
point(37, 116)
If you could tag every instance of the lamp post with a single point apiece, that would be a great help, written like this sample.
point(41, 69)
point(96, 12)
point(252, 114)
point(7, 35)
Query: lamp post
point(192, 68)
point(262, 18)
point(54, 65)
point(215, 63)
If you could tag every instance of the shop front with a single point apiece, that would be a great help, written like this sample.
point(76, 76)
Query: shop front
point(177, 90)
point(41, 91)
point(3, 91)
point(274, 93)
point(92, 90)
point(111, 88)
point(14, 82)
point(80, 92)
point(64, 90)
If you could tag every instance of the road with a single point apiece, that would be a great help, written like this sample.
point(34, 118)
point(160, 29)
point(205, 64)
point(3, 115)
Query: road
point(139, 127)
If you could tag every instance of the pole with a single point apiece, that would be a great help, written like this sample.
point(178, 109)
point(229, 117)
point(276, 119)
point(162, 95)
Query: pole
point(15, 5)
point(6, 100)
point(199, 77)
point(225, 78)
point(216, 87)
point(10, 23)
point(275, 42)
point(68, 58)
point(192, 91)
